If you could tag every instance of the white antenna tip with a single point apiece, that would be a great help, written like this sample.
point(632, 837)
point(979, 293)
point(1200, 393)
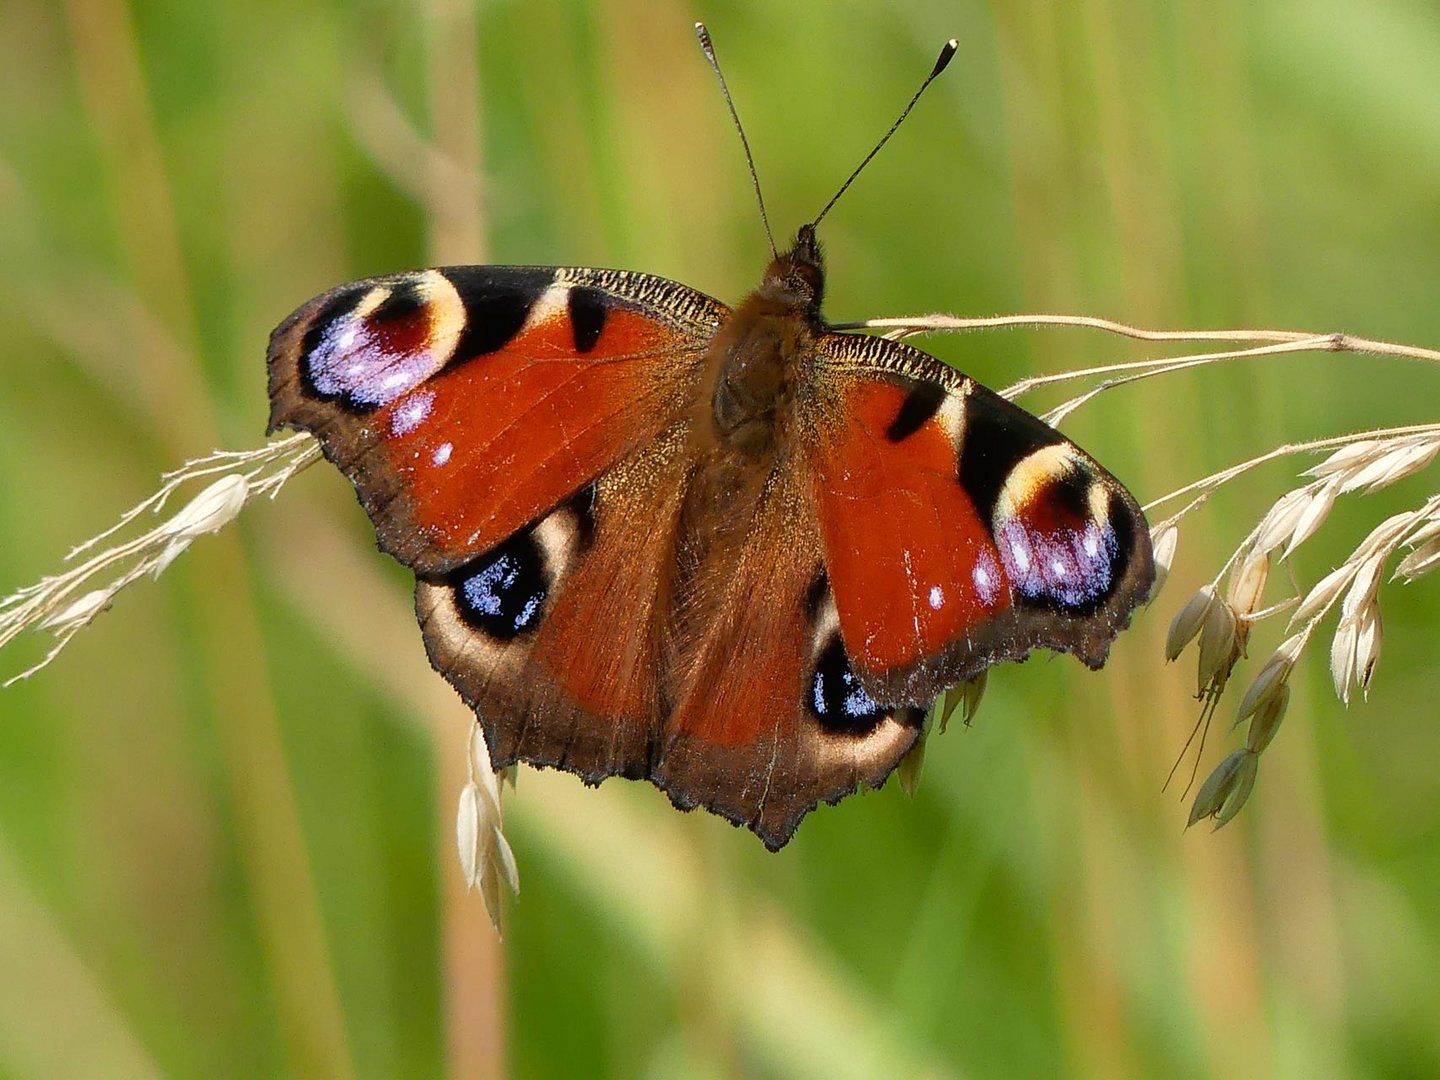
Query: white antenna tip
point(947, 52)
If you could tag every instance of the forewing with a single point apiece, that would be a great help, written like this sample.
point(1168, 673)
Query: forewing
point(465, 402)
point(958, 530)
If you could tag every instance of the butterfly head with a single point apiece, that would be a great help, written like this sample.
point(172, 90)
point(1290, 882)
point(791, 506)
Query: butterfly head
point(796, 278)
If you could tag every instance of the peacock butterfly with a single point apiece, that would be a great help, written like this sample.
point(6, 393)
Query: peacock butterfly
point(733, 552)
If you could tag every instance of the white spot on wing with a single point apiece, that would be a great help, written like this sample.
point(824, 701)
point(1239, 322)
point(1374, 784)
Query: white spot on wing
point(553, 302)
point(558, 535)
point(395, 381)
point(411, 413)
point(985, 584)
point(1021, 554)
point(827, 624)
point(951, 416)
point(441, 454)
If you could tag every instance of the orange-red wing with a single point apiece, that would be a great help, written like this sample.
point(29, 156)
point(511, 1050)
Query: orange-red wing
point(465, 402)
point(912, 562)
point(959, 530)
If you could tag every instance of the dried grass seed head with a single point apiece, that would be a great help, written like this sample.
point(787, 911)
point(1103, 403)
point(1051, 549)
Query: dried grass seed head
point(1163, 543)
point(1240, 787)
point(1226, 788)
point(1312, 516)
point(1220, 645)
point(78, 612)
point(1280, 520)
point(1419, 562)
point(1272, 678)
point(1247, 583)
point(1364, 589)
point(486, 860)
point(1347, 458)
point(1322, 594)
point(1368, 637)
point(1189, 619)
point(1266, 721)
point(1430, 529)
point(1342, 659)
point(209, 511)
point(1390, 464)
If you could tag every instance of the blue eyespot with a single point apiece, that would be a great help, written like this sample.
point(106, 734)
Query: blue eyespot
point(837, 699)
point(1068, 567)
point(503, 591)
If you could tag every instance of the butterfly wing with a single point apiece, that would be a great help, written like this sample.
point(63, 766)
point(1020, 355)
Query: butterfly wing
point(769, 719)
point(515, 435)
point(958, 529)
point(465, 402)
point(916, 529)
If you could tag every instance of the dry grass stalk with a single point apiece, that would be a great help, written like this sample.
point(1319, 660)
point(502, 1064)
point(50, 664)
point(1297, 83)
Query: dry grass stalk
point(65, 603)
point(57, 603)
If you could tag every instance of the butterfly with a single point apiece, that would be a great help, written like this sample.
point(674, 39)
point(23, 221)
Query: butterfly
point(733, 552)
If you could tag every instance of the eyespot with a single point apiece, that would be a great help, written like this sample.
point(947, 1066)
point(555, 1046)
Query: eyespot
point(502, 593)
point(836, 697)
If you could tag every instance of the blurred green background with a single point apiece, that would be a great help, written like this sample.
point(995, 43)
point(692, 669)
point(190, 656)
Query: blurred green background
point(226, 812)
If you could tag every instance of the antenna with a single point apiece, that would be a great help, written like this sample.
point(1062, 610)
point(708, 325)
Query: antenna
point(708, 48)
point(946, 53)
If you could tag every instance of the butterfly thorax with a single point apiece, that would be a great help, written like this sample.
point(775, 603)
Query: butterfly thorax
point(743, 418)
point(753, 362)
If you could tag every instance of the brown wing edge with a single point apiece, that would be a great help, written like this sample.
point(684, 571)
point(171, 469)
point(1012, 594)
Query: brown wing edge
point(788, 796)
